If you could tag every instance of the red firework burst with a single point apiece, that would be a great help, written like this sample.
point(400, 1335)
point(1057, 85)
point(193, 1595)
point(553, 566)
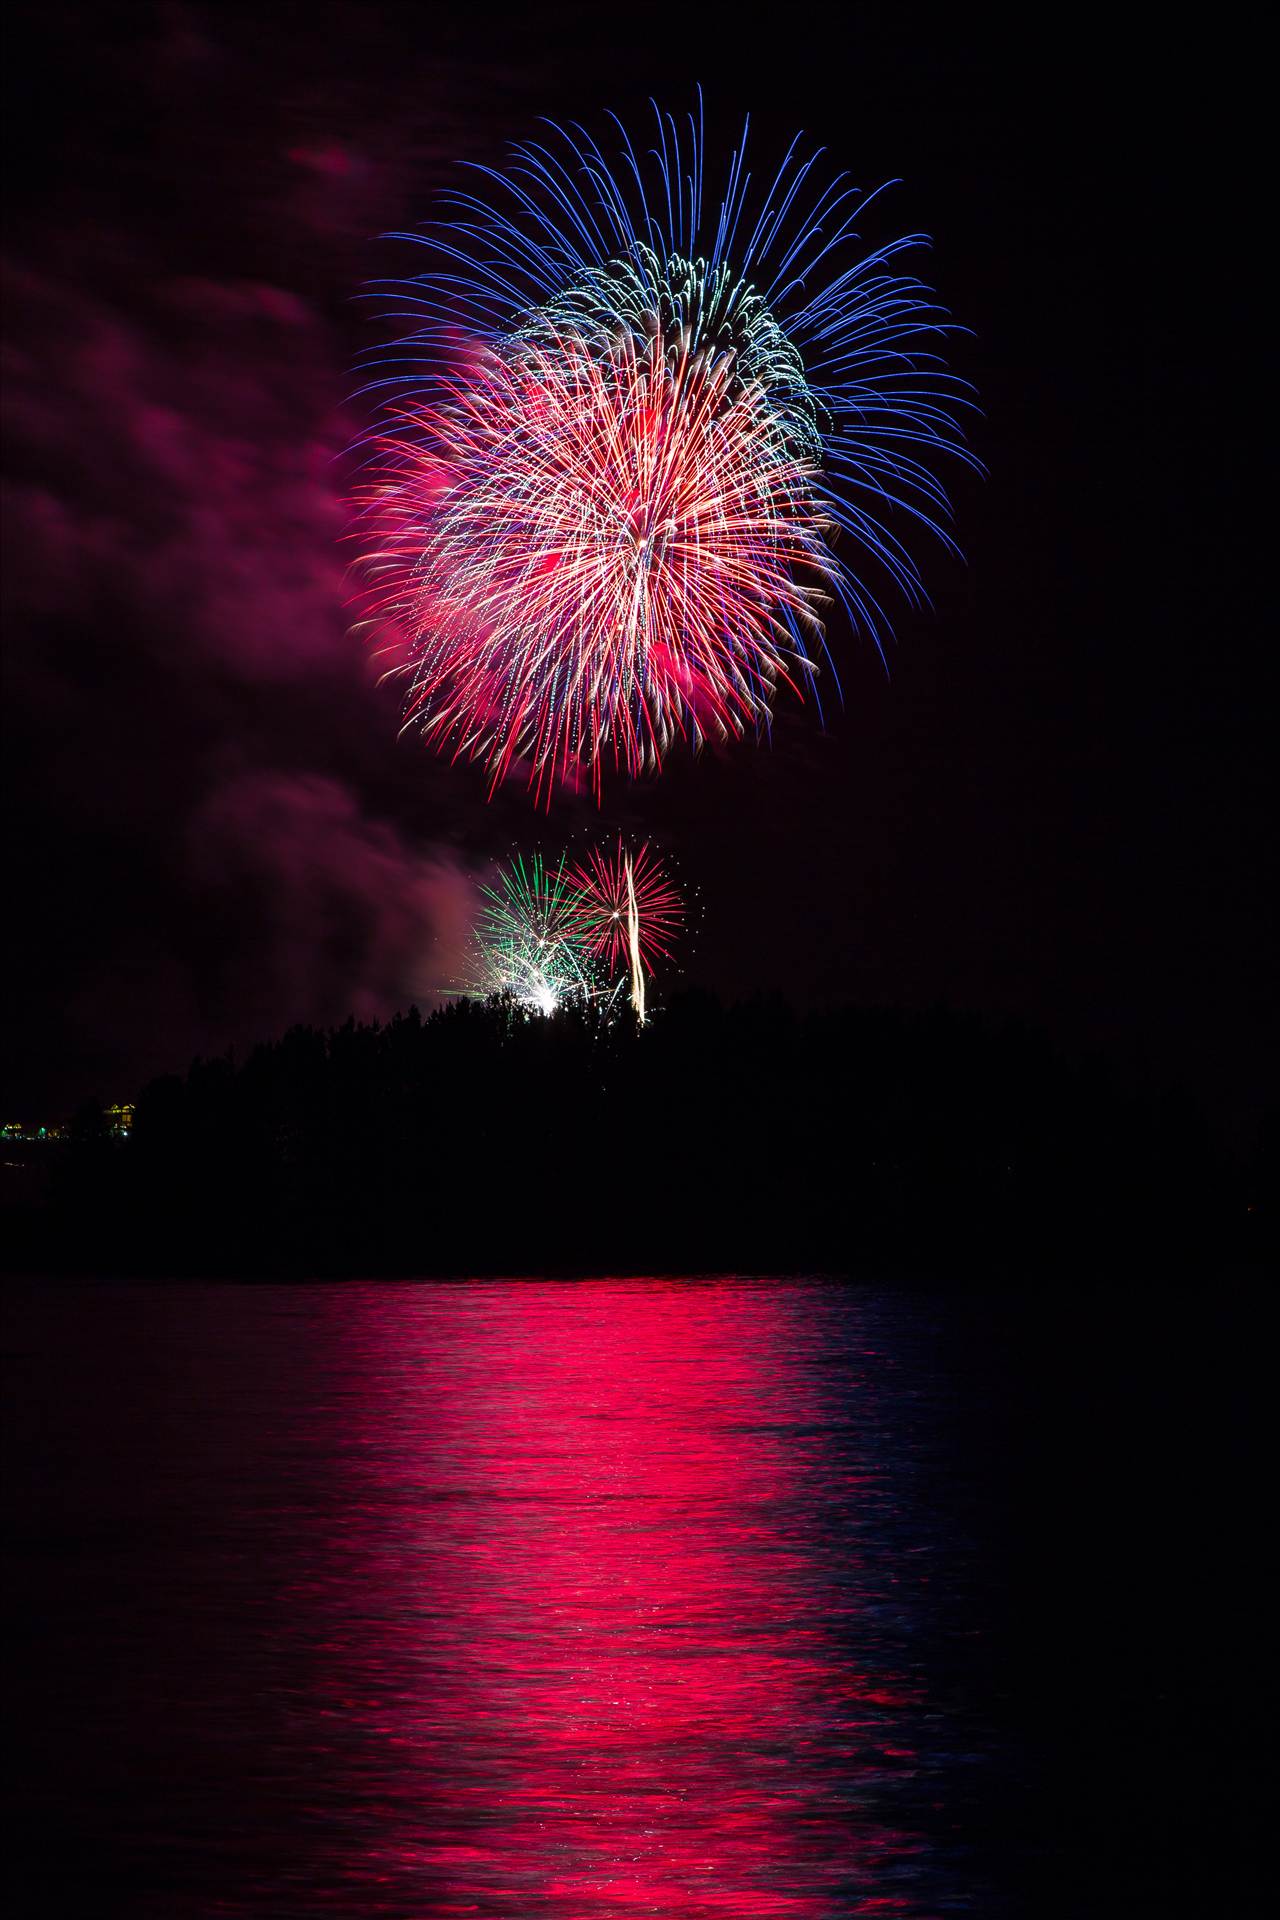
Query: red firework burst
point(589, 551)
point(619, 888)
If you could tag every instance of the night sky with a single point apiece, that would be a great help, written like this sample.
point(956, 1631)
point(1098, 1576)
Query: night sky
point(1052, 805)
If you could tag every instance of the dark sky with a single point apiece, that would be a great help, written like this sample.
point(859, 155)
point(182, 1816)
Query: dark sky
point(1051, 807)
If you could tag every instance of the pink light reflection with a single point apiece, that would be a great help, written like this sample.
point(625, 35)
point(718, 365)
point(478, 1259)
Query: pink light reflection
point(606, 1667)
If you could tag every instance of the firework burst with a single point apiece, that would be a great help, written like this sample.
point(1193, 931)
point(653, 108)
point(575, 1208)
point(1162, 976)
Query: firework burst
point(635, 445)
point(528, 943)
point(615, 884)
point(615, 558)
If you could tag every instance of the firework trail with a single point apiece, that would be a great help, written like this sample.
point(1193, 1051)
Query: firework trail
point(620, 445)
point(633, 945)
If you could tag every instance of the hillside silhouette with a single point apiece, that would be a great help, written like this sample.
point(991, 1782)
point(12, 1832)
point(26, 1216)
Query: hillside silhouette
point(482, 1140)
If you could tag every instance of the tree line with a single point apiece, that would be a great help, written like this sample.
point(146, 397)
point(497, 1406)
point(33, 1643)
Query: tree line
point(483, 1139)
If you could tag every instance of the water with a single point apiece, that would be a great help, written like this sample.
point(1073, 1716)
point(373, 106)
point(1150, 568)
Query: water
point(557, 1601)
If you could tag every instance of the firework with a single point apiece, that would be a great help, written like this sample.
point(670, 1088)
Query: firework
point(629, 912)
point(551, 935)
point(528, 943)
point(636, 444)
point(610, 883)
point(613, 562)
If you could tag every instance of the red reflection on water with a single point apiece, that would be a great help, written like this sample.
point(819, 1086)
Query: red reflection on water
point(601, 1673)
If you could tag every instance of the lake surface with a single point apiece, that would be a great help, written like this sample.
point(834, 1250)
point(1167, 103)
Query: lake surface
point(566, 1601)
